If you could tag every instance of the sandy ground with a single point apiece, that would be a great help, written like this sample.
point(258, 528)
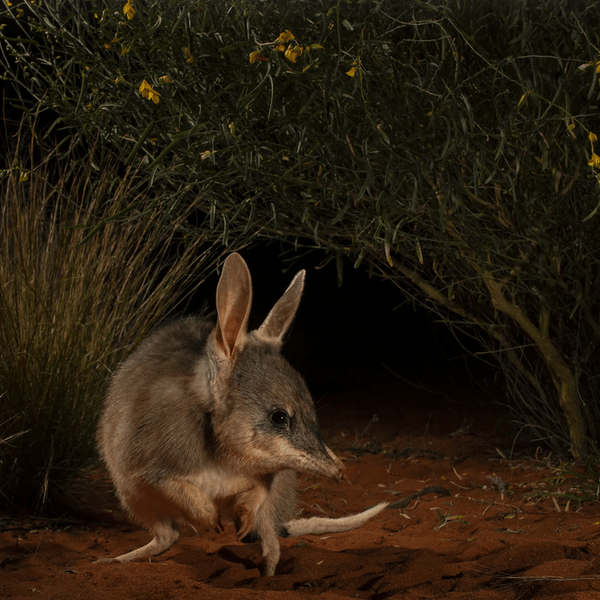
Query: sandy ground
point(463, 540)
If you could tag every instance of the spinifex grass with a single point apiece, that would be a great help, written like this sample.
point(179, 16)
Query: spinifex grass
point(71, 307)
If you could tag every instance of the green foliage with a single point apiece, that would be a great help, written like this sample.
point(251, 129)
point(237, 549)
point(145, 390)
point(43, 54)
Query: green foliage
point(444, 144)
point(69, 311)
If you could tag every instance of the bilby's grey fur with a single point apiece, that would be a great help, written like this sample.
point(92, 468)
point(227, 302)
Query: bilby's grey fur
point(206, 421)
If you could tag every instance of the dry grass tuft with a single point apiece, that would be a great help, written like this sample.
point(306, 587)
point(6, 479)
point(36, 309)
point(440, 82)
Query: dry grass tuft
point(72, 304)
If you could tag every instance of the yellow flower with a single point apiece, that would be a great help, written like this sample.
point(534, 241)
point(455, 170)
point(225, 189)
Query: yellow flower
point(293, 53)
point(20, 13)
point(352, 71)
point(280, 48)
point(164, 79)
point(594, 161)
point(189, 57)
point(128, 10)
point(286, 36)
point(255, 57)
point(593, 137)
point(154, 96)
point(148, 92)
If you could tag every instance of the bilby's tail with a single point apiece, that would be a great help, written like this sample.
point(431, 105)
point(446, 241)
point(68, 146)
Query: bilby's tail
point(317, 525)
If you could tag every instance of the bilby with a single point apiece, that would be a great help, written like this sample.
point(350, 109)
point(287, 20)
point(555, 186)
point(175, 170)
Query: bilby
point(205, 422)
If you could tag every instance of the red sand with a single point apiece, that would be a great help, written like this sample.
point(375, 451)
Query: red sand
point(471, 544)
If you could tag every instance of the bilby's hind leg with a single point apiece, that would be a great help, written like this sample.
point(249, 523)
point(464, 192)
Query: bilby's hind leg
point(266, 528)
point(165, 535)
point(271, 517)
point(159, 507)
point(270, 551)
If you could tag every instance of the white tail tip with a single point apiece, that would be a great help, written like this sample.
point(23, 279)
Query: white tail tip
point(318, 525)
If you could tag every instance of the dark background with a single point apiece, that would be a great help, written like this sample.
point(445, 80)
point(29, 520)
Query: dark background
point(345, 335)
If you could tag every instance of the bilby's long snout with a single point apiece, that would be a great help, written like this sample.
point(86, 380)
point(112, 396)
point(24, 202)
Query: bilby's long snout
point(313, 455)
point(324, 462)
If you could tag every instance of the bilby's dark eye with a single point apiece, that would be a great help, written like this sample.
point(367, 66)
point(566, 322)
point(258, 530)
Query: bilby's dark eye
point(280, 418)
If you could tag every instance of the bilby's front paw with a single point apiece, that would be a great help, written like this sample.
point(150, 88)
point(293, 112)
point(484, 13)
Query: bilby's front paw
point(219, 526)
point(244, 522)
point(212, 519)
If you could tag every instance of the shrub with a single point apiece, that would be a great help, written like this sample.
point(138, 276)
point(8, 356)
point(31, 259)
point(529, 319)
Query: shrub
point(448, 146)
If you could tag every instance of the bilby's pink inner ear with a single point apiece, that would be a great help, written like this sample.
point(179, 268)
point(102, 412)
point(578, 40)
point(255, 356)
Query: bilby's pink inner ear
point(234, 298)
point(282, 314)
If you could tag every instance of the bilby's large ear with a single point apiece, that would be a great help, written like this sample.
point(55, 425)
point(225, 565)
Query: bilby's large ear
point(234, 298)
point(282, 314)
